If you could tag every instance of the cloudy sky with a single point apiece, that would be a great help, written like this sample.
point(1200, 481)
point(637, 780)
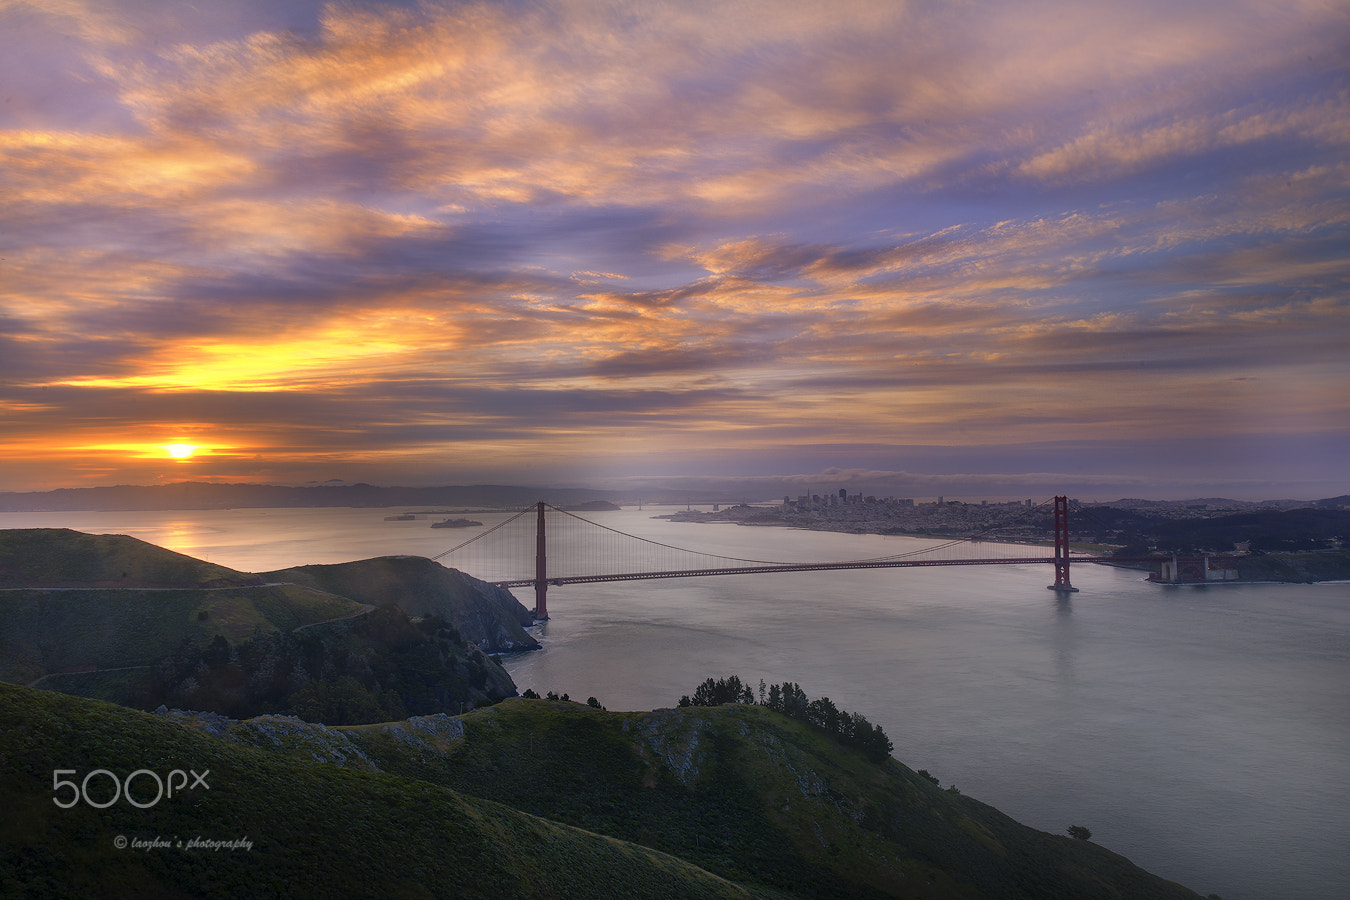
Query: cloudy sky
point(1000, 249)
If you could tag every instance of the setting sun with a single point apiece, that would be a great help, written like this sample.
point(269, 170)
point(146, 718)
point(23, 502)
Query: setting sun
point(180, 451)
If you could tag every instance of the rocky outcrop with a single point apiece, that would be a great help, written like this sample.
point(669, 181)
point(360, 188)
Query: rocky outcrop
point(420, 738)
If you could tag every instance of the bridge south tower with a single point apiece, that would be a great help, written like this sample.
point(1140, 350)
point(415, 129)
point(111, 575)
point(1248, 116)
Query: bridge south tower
point(1062, 546)
point(540, 568)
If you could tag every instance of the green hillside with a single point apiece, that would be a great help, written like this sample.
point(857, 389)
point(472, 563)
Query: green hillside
point(45, 631)
point(1327, 565)
point(299, 828)
point(59, 557)
point(74, 602)
point(80, 618)
point(741, 791)
point(374, 667)
point(485, 614)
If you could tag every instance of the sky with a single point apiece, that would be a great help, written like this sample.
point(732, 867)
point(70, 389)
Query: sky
point(976, 249)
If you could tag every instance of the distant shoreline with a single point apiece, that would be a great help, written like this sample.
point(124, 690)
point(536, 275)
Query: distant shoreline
point(1298, 567)
point(199, 495)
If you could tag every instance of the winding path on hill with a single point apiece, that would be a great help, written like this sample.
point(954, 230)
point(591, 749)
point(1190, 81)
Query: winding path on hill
point(81, 670)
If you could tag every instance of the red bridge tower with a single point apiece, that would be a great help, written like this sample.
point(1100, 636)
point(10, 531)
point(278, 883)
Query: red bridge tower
point(540, 569)
point(1062, 546)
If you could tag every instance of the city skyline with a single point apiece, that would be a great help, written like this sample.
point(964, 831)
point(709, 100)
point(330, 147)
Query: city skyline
point(977, 250)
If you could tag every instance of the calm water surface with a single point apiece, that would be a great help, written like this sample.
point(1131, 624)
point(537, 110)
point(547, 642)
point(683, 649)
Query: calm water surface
point(1203, 732)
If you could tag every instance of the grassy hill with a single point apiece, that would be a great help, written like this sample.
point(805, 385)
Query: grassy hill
point(1327, 565)
point(73, 602)
point(1266, 531)
point(59, 557)
point(741, 791)
point(529, 798)
point(489, 616)
point(46, 631)
point(115, 618)
point(377, 666)
point(312, 830)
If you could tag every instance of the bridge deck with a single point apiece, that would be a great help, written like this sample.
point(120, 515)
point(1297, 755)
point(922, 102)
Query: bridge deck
point(816, 567)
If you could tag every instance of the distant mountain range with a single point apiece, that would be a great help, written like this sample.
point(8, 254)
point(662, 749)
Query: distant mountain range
point(211, 495)
point(208, 495)
point(1224, 503)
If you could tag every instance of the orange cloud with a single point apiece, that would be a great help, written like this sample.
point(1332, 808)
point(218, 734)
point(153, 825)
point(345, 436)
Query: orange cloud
point(628, 226)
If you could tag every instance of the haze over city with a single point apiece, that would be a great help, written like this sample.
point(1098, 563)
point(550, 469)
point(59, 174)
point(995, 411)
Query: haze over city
point(972, 249)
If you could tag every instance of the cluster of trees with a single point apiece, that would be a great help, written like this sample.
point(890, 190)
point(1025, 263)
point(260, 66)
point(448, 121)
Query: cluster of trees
point(851, 729)
point(377, 667)
point(532, 694)
point(716, 692)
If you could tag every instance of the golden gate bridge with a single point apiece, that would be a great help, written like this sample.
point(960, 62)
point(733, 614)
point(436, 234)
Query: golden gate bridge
point(570, 549)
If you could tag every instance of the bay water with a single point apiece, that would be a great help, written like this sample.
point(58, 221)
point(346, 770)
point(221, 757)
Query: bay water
point(1201, 731)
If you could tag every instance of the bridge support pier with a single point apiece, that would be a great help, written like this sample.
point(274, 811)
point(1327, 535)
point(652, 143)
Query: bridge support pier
point(1062, 546)
point(540, 568)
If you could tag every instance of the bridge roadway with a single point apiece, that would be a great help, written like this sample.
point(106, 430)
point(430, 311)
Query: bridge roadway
point(541, 581)
point(815, 567)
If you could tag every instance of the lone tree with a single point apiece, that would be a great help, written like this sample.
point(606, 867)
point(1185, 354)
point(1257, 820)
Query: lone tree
point(1080, 832)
